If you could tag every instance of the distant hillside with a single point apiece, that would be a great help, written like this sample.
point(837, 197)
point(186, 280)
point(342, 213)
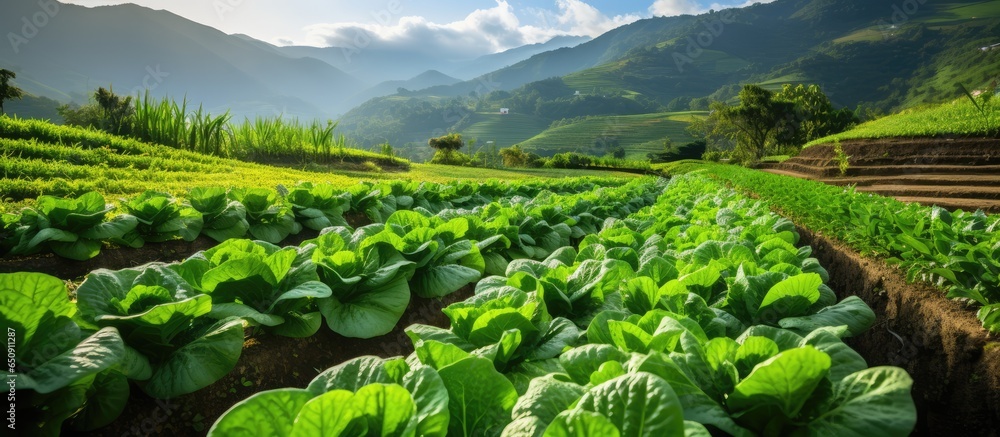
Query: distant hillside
point(869, 53)
point(486, 64)
point(637, 134)
point(42, 108)
point(424, 80)
point(376, 64)
point(129, 47)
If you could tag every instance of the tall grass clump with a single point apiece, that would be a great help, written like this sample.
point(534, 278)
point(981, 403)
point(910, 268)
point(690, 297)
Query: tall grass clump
point(276, 139)
point(160, 121)
point(261, 139)
point(164, 121)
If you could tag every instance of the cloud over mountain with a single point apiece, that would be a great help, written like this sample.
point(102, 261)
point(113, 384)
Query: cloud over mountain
point(482, 31)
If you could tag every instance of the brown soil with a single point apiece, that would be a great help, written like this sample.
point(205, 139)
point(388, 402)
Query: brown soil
point(347, 163)
point(954, 173)
point(268, 363)
point(954, 362)
point(117, 258)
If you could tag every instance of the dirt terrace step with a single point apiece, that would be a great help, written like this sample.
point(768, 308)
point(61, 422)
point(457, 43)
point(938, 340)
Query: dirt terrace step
point(935, 191)
point(916, 179)
point(894, 170)
point(902, 160)
point(987, 205)
point(919, 179)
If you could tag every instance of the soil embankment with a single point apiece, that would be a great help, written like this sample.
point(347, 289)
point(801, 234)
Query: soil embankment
point(954, 362)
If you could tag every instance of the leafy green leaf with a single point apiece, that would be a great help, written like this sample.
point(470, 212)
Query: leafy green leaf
point(270, 412)
point(480, 398)
point(874, 401)
point(637, 404)
point(577, 423)
point(784, 381)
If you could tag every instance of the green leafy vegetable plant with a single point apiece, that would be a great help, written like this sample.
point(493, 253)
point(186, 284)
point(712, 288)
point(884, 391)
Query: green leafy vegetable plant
point(161, 218)
point(72, 228)
point(270, 287)
point(165, 321)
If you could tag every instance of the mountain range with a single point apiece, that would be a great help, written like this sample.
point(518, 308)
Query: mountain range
point(64, 52)
point(880, 55)
point(875, 55)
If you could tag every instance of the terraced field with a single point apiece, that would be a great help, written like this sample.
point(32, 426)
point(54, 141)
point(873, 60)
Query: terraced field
point(504, 130)
point(950, 173)
point(638, 134)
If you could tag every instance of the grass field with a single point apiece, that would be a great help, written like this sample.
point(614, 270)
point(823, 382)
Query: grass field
point(41, 158)
point(608, 77)
point(949, 13)
point(504, 130)
point(958, 118)
point(638, 134)
point(936, 14)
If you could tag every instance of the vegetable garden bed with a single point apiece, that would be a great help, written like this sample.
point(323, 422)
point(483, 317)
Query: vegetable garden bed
point(178, 328)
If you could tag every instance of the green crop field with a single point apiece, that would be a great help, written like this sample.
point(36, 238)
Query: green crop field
point(41, 158)
point(638, 134)
point(587, 304)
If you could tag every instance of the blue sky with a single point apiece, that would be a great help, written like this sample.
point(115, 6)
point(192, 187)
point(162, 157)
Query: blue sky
point(467, 26)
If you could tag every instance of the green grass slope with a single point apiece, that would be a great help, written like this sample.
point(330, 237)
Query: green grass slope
point(957, 118)
point(638, 134)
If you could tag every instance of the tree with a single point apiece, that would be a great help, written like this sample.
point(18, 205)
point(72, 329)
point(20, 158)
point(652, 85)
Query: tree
point(693, 150)
point(752, 126)
point(447, 143)
point(813, 116)
point(447, 150)
point(117, 111)
point(7, 90)
point(83, 116)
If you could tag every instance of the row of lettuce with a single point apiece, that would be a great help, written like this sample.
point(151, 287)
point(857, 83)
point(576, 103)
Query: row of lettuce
point(698, 316)
point(173, 329)
point(956, 251)
point(77, 228)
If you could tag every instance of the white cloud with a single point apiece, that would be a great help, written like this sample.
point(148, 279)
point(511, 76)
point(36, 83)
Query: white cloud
point(482, 31)
point(580, 18)
point(671, 8)
point(718, 6)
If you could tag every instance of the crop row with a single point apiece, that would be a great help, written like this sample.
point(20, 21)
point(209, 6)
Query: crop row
point(77, 228)
point(173, 329)
point(957, 251)
point(696, 317)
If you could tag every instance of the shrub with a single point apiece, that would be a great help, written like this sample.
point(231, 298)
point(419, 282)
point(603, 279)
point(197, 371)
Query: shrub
point(713, 156)
point(450, 157)
point(843, 161)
